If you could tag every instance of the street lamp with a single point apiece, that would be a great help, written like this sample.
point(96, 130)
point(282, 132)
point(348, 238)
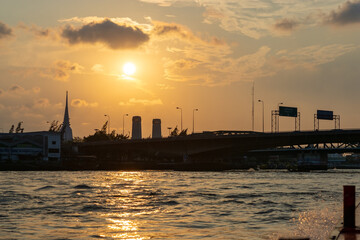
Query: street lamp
point(124, 123)
point(194, 119)
point(180, 117)
point(169, 130)
point(108, 122)
point(262, 113)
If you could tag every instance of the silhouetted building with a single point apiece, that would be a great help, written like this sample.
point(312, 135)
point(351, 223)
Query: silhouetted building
point(156, 129)
point(31, 146)
point(136, 127)
point(66, 129)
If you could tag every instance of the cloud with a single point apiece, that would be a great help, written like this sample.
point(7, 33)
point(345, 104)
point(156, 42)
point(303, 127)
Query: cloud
point(311, 56)
point(163, 86)
point(286, 25)
point(61, 69)
point(208, 66)
point(107, 32)
point(347, 13)
point(255, 19)
point(36, 30)
point(173, 30)
point(41, 103)
point(146, 102)
point(17, 90)
point(97, 68)
point(82, 103)
point(5, 31)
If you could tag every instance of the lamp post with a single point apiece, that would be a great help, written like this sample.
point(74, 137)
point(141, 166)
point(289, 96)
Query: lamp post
point(108, 122)
point(278, 119)
point(194, 119)
point(180, 117)
point(169, 130)
point(263, 125)
point(124, 123)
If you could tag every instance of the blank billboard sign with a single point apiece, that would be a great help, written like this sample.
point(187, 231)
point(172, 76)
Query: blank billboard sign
point(288, 111)
point(325, 115)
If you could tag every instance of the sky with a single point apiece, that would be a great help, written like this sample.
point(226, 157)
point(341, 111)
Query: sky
point(191, 54)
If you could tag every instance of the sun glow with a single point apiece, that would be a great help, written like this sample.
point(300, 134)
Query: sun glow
point(129, 68)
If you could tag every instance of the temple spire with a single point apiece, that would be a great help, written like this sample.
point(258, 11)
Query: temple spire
point(66, 129)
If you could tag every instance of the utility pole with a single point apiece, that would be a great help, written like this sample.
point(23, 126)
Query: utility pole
point(124, 123)
point(194, 119)
point(253, 107)
point(180, 117)
point(263, 125)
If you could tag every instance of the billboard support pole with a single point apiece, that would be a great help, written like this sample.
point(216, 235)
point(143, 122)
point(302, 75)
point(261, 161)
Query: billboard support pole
point(274, 121)
point(316, 123)
point(337, 121)
point(297, 122)
point(325, 115)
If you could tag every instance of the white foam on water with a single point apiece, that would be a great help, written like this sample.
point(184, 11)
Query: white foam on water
point(314, 224)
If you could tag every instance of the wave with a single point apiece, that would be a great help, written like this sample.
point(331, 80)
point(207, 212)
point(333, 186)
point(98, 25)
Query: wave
point(45, 188)
point(82, 186)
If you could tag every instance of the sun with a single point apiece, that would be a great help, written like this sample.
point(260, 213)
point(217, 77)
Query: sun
point(129, 68)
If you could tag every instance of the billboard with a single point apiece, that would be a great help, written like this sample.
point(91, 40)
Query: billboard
point(288, 111)
point(325, 115)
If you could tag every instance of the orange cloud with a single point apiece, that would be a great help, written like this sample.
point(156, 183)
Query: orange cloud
point(82, 103)
point(62, 69)
point(146, 102)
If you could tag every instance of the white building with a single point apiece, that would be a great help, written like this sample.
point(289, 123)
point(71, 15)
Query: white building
point(42, 146)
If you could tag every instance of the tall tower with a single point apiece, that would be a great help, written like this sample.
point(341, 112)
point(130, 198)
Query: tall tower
point(136, 127)
point(66, 129)
point(156, 130)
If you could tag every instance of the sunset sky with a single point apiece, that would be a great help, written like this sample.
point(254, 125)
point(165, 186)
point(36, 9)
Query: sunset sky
point(202, 54)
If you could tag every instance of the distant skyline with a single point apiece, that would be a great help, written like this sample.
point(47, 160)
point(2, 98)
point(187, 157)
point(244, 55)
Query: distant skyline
point(202, 54)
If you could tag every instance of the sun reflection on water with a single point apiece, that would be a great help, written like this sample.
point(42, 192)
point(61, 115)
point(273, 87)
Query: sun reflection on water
point(128, 199)
point(122, 225)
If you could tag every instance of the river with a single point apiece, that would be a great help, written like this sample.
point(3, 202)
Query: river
point(171, 205)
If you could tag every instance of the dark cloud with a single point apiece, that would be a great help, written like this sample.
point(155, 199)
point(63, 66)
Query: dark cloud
point(173, 30)
point(286, 25)
point(16, 89)
point(5, 31)
point(162, 29)
point(36, 30)
point(41, 32)
point(62, 69)
point(347, 13)
point(107, 32)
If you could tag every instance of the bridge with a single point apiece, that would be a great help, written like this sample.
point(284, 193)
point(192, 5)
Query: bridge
point(224, 145)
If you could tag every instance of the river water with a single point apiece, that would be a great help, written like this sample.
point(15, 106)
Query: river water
point(171, 205)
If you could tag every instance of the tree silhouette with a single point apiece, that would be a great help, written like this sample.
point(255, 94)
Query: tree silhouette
point(101, 135)
point(19, 129)
point(176, 132)
point(55, 126)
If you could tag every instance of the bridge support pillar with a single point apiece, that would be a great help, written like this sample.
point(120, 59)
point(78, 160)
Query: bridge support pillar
point(312, 161)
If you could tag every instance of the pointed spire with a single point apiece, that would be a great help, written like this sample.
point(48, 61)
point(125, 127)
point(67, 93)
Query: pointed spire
point(66, 114)
point(66, 129)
